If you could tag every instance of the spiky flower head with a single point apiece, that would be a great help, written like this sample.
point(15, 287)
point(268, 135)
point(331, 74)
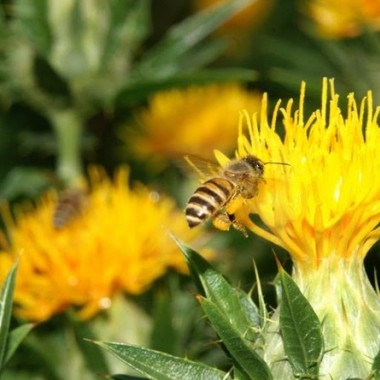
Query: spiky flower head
point(116, 243)
point(324, 209)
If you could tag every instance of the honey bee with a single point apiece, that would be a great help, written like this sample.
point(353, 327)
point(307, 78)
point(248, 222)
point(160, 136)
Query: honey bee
point(70, 204)
point(240, 177)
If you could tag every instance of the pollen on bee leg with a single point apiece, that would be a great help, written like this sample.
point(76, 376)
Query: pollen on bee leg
point(234, 204)
point(222, 222)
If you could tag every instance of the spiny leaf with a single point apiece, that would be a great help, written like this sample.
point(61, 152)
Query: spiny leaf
point(300, 329)
point(16, 336)
point(248, 360)
point(160, 366)
point(262, 307)
point(6, 312)
point(92, 355)
point(32, 17)
point(140, 89)
point(125, 377)
point(239, 374)
point(231, 302)
point(376, 367)
point(166, 58)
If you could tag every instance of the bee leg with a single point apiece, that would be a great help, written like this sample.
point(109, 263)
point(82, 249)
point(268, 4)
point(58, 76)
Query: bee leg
point(223, 221)
point(237, 225)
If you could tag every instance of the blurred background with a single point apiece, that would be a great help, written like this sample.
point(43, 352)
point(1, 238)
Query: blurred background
point(99, 102)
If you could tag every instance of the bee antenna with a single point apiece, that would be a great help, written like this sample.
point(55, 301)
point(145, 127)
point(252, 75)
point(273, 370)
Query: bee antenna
point(276, 163)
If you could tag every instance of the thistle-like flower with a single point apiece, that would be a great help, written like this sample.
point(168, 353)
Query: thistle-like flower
point(324, 209)
point(115, 242)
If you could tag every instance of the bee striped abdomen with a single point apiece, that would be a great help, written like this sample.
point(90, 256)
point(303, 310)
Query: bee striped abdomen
point(69, 206)
point(210, 197)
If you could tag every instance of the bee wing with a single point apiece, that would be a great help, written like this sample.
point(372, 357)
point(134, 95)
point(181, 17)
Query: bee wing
point(204, 168)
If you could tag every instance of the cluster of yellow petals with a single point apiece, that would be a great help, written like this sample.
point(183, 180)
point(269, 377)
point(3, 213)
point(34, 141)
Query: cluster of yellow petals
point(119, 243)
point(326, 202)
point(336, 19)
point(190, 120)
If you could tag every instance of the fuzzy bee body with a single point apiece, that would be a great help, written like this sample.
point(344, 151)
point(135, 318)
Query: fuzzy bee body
point(211, 198)
point(70, 205)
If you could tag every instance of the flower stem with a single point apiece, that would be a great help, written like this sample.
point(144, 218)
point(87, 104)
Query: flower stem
point(67, 125)
point(349, 311)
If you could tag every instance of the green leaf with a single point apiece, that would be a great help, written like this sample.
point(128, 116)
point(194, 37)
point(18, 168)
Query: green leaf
point(129, 25)
point(231, 302)
point(32, 19)
point(92, 354)
point(203, 54)
point(163, 325)
point(6, 301)
point(22, 181)
point(15, 337)
point(239, 374)
point(138, 91)
point(376, 367)
point(300, 329)
point(262, 312)
point(249, 361)
point(166, 58)
point(160, 366)
point(250, 309)
point(124, 377)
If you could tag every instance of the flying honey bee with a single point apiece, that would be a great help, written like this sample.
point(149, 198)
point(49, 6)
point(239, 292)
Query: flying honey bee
point(70, 205)
point(240, 177)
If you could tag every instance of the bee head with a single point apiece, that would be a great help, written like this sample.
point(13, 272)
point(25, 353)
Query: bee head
point(256, 164)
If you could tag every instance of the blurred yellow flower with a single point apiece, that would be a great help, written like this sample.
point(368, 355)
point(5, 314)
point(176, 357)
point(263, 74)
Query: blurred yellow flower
point(337, 19)
point(247, 19)
point(118, 243)
point(190, 121)
point(324, 209)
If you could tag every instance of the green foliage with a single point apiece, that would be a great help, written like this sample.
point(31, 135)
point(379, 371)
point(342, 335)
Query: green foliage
point(178, 58)
point(24, 181)
point(238, 324)
point(80, 59)
point(181, 44)
point(247, 360)
point(93, 357)
point(161, 366)
point(300, 330)
point(9, 340)
point(376, 367)
point(6, 299)
point(235, 305)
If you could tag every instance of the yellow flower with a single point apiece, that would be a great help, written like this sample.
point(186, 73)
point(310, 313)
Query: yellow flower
point(324, 209)
point(117, 243)
point(190, 121)
point(337, 19)
point(330, 187)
